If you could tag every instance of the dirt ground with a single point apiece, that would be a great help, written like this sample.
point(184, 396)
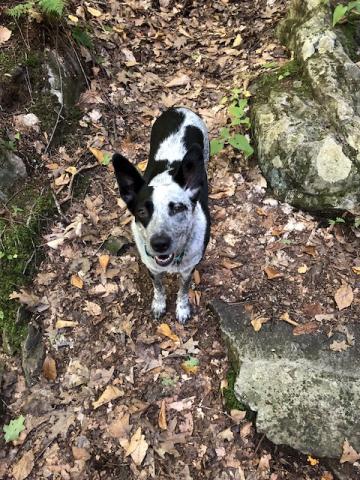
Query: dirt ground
point(122, 396)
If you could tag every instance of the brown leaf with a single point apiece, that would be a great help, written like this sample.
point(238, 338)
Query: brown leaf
point(356, 270)
point(272, 273)
point(179, 81)
point(339, 346)
point(142, 165)
point(306, 328)
point(137, 447)
point(312, 309)
point(258, 322)
point(165, 330)
point(110, 393)
point(245, 430)
point(92, 308)
point(120, 427)
point(23, 467)
point(349, 453)
point(49, 368)
point(98, 154)
point(76, 281)
point(229, 264)
point(310, 250)
point(5, 34)
point(80, 453)
point(94, 12)
point(65, 324)
point(162, 416)
point(286, 318)
point(237, 415)
point(104, 261)
point(344, 296)
point(264, 463)
point(226, 435)
point(196, 276)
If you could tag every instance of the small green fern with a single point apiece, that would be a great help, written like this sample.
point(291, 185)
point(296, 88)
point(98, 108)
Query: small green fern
point(20, 10)
point(49, 7)
point(54, 7)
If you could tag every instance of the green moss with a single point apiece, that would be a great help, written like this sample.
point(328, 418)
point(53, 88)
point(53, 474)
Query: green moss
point(231, 402)
point(19, 235)
point(349, 34)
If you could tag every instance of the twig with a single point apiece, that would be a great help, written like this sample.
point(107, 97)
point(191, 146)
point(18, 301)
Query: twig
point(79, 61)
point(81, 169)
point(28, 261)
point(22, 36)
point(58, 207)
point(260, 442)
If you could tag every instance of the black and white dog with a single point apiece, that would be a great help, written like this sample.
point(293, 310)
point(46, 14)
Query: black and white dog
point(171, 224)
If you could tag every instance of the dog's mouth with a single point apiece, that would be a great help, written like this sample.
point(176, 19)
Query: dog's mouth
point(164, 260)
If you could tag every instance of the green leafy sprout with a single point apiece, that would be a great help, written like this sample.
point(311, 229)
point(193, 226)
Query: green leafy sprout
point(14, 428)
point(238, 121)
point(336, 221)
point(342, 12)
point(48, 7)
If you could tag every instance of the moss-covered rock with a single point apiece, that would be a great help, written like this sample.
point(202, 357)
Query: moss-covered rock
point(307, 128)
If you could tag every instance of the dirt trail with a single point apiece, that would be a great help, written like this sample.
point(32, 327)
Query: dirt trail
point(123, 404)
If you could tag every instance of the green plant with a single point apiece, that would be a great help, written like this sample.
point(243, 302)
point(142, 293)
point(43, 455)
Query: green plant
point(81, 37)
point(342, 12)
point(336, 221)
point(357, 222)
point(48, 7)
point(238, 119)
point(14, 428)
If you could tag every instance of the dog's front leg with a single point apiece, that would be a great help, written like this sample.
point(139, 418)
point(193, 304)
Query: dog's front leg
point(158, 305)
point(183, 311)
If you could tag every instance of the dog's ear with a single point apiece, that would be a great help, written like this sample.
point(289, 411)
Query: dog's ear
point(191, 172)
point(128, 178)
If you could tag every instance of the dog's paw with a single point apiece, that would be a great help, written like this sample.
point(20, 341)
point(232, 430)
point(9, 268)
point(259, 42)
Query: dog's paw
point(158, 307)
point(183, 311)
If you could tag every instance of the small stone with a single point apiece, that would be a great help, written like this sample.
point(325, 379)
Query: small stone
point(32, 354)
point(117, 245)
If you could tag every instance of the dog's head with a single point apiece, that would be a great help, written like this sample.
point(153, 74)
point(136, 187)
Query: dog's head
point(164, 208)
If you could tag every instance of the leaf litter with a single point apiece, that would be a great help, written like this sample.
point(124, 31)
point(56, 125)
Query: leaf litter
point(134, 399)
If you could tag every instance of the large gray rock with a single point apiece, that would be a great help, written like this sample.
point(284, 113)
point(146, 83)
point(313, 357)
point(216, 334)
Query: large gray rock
point(305, 395)
point(12, 169)
point(307, 127)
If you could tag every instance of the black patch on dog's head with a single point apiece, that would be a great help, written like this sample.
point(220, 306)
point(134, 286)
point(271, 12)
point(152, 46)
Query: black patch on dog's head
point(144, 207)
point(129, 180)
point(190, 174)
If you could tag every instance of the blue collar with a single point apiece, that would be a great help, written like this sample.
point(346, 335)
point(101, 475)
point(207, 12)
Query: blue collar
point(177, 260)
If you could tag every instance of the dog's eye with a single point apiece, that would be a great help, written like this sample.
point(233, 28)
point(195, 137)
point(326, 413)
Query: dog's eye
point(176, 208)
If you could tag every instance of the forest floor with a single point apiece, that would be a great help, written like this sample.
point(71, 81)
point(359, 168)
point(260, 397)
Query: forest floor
point(122, 396)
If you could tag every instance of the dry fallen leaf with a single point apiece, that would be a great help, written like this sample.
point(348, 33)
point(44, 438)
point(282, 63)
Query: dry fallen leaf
point(80, 453)
point(94, 12)
point(49, 368)
point(23, 467)
point(104, 261)
point(258, 322)
point(196, 276)
point(76, 281)
point(286, 318)
point(229, 264)
point(65, 324)
point(137, 447)
point(110, 393)
point(162, 416)
point(92, 308)
point(303, 269)
point(142, 165)
point(98, 154)
point(245, 430)
point(344, 296)
point(339, 346)
point(271, 273)
point(165, 330)
point(237, 415)
point(312, 461)
point(226, 435)
point(349, 453)
point(179, 81)
point(356, 270)
point(120, 427)
point(310, 250)
point(306, 328)
point(5, 34)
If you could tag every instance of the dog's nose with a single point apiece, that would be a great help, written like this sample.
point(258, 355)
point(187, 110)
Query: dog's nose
point(160, 243)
